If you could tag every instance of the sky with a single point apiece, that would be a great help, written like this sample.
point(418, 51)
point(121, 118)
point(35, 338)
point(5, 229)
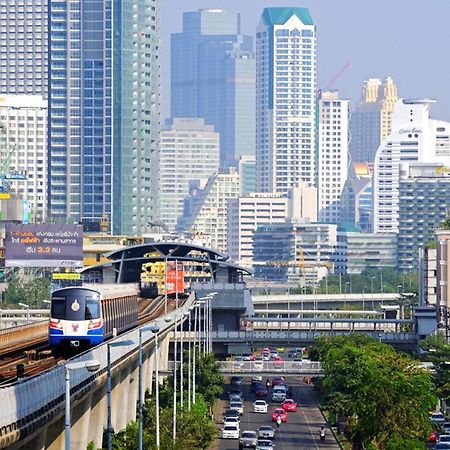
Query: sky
point(408, 40)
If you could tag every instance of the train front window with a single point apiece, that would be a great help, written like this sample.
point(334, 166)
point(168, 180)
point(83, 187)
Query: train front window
point(92, 310)
point(58, 308)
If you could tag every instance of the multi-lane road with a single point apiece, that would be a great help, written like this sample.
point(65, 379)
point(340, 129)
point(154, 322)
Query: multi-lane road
point(300, 432)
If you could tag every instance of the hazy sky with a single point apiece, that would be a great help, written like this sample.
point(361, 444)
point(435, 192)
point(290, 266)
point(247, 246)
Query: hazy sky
point(408, 40)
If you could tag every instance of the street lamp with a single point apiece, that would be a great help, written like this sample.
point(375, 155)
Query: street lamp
point(154, 329)
point(91, 365)
point(347, 283)
point(166, 257)
point(189, 358)
point(24, 305)
point(371, 283)
point(364, 301)
point(381, 279)
point(108, 385)
point(202, 326)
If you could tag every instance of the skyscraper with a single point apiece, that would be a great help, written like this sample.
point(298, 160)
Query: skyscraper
point(333, 154)
point(285, 99)
point(371, 121)
point(104, 111)
point(189, 151)
point(213, 77)
point(414, 137)
point(23, 56)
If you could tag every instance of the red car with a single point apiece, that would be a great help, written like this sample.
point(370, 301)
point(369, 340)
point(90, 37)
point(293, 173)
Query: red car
point(281, 413)
point(289, 405)
point(433, 437)
point(277, 380)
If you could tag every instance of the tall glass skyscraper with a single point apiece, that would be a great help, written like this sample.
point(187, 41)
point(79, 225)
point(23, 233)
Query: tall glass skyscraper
point(104, 111)
point(213, 77)
point(285, 99)
point(23, 52)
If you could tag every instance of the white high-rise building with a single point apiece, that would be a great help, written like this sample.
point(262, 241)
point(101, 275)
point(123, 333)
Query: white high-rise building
point(205, 211)
point(414, 137)
point(246, 213)
point(190, 150)
point(333, 155)
point(23, 138)
point(285, 99)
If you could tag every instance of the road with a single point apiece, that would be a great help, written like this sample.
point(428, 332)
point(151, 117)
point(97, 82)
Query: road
point(300, 432)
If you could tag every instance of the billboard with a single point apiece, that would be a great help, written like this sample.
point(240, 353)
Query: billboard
point(175, 277)
point(39, 245)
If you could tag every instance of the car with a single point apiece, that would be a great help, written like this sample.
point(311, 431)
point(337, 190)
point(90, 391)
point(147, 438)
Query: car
point(446, 427)
point(235, 393)
point(232, 421)
point(281, 413)
point(230, 432)
point(438, 417)
point(248, 439)
point(279, 393)
point(277, 380)
point(444, 438)
point(261, 391)
point(248, 357)
point(439, 446)
point(254, 384)
point(433, 436)
point(260, 406)
point(265, 350)
point(264, 444)
point(237, 406)
point(258, 365)
point(265, 356)
point(292, 354)
point(231, 413)
point(236, 381)
point(266, 431)
point(257, 378)
point(289, 405)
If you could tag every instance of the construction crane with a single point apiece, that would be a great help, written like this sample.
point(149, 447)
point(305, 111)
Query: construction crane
point(6, 153)
point(336, 76)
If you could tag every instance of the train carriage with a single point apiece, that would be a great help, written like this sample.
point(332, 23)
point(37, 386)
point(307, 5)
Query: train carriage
point(87, 315)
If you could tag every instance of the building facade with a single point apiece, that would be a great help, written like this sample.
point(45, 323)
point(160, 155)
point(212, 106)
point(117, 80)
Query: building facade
point(357, 197)
point(443, 270)
point(285, 99)
point(371, 120)
point(424, 201)
point(189, 151)
point(414, 138)
point(213, 77)
point(206, 209)
point(247, 171)
point(104, 112)
point(332, 162)
point(23, 56)
point(23, 144)
point(356, 251)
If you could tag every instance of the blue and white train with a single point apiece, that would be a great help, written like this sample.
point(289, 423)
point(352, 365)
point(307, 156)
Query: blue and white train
point(84, 316)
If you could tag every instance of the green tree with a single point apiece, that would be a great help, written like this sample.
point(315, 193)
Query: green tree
point(385, 395)
point(208, 378)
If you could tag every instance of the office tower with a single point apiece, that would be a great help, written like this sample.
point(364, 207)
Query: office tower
point(205, 211)
point(357, 197)
point(360, 251)
point(246, 165)
point(333, 154)
point(294, 251)
point(213, 77)
point(443, 270)
point(371, 121)
point(189, 151)
point(424, 201)
point(104, 154)
point(23, 142)
point(23, 56)
point(285, 99)
point(247, 212)
point(414, 137)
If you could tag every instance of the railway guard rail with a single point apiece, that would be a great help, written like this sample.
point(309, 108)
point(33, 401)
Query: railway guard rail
point(302, 367)
point(30, 403)
point(32, 334)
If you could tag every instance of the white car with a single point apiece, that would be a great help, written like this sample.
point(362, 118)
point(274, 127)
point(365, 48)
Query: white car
point(444, 438)
point(232, 421)
point(230, 432)
point(260, 406)
point(264, 444)
point(437, 417)
point(258, 365)
point(237, 406)
point(266, 432)
point(257, 378)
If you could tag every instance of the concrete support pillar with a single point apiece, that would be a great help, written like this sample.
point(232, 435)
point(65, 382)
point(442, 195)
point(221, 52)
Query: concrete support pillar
point(81, 416)
point(163, 357)
point(98, 419)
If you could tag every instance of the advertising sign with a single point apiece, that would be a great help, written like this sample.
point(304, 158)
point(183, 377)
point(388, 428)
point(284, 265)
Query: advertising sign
point(175, 277)
point(39, 245)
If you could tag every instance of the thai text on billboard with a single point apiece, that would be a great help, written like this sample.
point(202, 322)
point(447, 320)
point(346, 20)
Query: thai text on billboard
point(38, 245)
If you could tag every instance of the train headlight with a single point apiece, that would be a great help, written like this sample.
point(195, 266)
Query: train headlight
point(54, 323)
point(93, 324)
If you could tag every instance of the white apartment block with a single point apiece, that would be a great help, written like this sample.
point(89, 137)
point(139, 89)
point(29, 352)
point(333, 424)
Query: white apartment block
point(285, 99)
point(190, 150)
point(206, 210)
point(23, 119)
point(333, 155)
point(414, 137)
